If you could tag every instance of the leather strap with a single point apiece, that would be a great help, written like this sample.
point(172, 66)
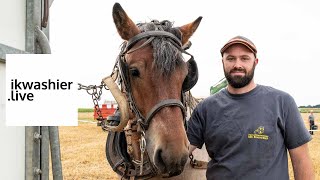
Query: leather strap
point(196, 164)
point(148, 34)
point(159, 106)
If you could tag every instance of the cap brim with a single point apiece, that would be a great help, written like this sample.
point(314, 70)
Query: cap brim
point(249, 46)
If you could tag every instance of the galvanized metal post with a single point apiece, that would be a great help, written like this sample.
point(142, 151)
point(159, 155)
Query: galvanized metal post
point(44, 152)
point(28, 153)
point(55, 153)
point(37, 43)
point(32, 161)
point(42, 41)
point(32, 8)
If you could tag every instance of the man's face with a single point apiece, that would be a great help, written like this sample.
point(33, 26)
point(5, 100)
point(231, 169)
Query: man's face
point(239, 64)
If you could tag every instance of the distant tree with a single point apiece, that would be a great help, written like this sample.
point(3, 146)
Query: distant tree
point(309, 106)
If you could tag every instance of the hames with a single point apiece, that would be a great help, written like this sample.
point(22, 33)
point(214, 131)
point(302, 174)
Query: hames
point(44, 85)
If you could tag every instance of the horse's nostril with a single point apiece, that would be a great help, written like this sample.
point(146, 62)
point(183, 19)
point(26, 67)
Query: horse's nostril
point(159, 160)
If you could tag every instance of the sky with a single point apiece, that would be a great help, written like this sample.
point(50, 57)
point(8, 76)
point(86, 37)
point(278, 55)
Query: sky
point(286, 34)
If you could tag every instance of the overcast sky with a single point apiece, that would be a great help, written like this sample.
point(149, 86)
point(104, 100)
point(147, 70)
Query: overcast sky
point(286, 33)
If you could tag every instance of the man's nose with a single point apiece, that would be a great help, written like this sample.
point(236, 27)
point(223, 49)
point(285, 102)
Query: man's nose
point(238, 64)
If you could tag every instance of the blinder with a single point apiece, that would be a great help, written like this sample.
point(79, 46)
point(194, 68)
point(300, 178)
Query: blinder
point(192, 77)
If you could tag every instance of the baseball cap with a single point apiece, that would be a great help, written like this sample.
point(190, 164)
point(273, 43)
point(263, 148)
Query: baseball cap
point(240, 40)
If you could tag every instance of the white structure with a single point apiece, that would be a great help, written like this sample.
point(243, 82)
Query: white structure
point(24, 151)
point(12, 139)
point(13, 23)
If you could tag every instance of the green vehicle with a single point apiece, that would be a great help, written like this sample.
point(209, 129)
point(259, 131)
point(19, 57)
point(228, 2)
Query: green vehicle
point(218, 86)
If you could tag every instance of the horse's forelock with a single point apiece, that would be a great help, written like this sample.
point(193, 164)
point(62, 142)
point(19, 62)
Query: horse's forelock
point(166, 56)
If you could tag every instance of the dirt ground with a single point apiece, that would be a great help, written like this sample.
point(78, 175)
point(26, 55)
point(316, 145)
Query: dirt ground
point(83, 152)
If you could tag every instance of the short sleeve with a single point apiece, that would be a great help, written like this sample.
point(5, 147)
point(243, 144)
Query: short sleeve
point(296, 133)
point(196, 128)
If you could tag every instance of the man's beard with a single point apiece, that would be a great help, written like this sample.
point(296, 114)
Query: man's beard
point(240, 81)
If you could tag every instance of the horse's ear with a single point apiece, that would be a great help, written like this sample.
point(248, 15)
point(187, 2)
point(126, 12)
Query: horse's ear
point(125, 26)
point(188, 29)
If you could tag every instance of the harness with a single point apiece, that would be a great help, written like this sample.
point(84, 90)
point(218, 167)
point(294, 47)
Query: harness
point(122, 148)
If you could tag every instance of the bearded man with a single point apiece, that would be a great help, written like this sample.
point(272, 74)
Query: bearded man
point(248, 128)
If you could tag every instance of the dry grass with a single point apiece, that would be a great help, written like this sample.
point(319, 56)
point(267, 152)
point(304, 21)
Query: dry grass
point(314, 147)
point(83, 151)
point(85, 116)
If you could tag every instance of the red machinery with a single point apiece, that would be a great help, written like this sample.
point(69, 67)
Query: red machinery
point(106, 110)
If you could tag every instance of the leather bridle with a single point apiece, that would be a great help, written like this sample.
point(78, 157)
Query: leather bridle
point(141, 124)
point(149, 35)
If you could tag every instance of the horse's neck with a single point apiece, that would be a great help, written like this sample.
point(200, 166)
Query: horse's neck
point(190, 173)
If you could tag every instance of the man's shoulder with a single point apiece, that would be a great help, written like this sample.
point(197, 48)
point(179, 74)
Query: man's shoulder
point(215, 97)
point(211, 100)
point(273, 91)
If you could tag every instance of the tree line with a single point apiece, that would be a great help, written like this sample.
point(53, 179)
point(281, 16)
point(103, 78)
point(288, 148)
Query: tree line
point(309, 106)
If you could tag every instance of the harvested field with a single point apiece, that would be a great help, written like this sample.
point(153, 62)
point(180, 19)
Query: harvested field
point(83, 151)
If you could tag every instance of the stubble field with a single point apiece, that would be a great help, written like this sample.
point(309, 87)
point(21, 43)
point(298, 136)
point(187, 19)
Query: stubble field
point(83, 151)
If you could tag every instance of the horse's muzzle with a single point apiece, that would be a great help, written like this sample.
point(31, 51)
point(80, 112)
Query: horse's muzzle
point(169, 166)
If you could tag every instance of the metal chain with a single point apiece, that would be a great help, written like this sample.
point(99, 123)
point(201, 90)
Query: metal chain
point(95, 92)
point(191, 160)
point(143, 145)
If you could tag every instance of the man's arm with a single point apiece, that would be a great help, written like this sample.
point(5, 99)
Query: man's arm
point(301, 163)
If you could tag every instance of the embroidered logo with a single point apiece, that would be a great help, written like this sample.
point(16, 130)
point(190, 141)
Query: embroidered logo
point(258, 134)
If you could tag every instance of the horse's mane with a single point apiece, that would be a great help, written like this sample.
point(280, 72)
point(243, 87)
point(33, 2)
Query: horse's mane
point(166, 56)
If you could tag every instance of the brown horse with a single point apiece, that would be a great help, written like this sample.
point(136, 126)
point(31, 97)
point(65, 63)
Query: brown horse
point(154, 78)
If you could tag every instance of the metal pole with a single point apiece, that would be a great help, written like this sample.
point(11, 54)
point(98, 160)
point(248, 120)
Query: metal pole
point(28, 153)
point(43, 41)
point(55, 153)
point(44, 152)
point(32, 153)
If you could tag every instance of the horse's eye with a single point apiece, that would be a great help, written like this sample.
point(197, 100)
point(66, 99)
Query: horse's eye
point(134, 72)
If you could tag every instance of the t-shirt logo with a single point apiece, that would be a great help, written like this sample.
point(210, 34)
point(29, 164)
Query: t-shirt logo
point(258, 134)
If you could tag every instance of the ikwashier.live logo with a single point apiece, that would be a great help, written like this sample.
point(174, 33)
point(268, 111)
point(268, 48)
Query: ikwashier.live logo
point(16, 85)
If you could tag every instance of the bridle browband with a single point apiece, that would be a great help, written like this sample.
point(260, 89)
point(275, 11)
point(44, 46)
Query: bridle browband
point(149, 34)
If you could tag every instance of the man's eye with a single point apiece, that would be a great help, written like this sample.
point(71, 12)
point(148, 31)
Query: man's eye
point(245, 59)
point(134, 72)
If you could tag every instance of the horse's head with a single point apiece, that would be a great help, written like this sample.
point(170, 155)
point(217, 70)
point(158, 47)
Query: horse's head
point(156, 75)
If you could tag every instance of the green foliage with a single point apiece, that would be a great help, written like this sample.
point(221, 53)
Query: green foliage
point(85, 109)
point(309, 106)
point(307, 110)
